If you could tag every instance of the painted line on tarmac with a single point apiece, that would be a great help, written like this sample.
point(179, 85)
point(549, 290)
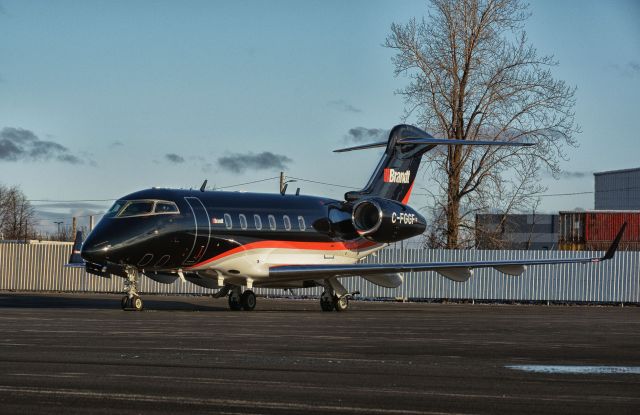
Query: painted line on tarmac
point(182, 400)
point(578, 370)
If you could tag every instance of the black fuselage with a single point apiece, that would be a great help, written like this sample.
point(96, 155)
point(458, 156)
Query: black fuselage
point(211, 223)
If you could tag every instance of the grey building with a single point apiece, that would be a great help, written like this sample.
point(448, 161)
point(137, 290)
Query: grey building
point(617, 189)
point(517, 231)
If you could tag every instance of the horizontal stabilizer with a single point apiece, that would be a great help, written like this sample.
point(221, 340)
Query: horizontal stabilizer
point(362, 147)
point(446, 141)
point(437, 141)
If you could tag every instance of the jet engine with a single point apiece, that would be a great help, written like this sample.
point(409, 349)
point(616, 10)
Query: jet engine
point(384, 220)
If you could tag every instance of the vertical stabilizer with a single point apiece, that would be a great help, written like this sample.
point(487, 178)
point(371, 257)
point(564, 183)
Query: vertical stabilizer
point(396, 172)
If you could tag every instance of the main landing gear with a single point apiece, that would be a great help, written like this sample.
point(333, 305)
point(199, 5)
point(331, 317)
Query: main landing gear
point(335, 296)
point(131, 301)
point(239, 300)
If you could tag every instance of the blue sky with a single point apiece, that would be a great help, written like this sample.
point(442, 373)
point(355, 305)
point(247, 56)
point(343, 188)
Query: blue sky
point(122, 84)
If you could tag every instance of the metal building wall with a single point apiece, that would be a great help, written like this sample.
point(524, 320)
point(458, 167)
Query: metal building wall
point(39, 267)
point(617, 190)
point(517, 231)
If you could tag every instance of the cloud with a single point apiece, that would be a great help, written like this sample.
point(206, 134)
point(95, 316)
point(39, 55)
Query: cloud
point(71, 205)
point(366, 135)
point(574, 174)
point(627, 69)
point(342, 105)
point(46, 218)
point(174, 158)
point(17, 144)
point(266, 160)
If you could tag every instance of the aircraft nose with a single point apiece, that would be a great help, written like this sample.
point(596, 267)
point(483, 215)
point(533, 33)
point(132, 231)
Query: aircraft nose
point(95, 249)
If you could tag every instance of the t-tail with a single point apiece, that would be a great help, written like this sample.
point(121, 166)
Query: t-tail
point(396, 172)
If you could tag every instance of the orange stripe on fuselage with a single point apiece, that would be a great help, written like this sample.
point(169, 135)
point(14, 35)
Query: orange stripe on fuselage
point(315, 246)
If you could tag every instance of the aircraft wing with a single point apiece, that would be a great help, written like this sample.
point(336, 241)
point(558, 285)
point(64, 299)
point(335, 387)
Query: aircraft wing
point(457, 271)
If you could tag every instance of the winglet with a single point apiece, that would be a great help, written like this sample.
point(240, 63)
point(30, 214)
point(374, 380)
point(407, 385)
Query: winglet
point(614, 245)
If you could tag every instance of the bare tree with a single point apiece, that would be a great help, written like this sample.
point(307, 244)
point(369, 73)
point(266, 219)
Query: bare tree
point(473, 75)
point(17, 216)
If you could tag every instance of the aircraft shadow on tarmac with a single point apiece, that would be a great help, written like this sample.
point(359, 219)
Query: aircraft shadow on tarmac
point(14, 300)
point(158, 303)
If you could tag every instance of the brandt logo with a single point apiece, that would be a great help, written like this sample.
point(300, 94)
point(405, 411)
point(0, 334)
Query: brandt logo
point(393, 176)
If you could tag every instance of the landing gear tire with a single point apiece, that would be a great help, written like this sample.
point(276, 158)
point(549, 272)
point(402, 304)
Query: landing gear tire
point(248, 300)
point(234, 302)
point(326, 302)
point(136, 303)
point(131, 301)
point(341, 303)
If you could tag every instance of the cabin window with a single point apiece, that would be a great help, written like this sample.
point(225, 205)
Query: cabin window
point(257, 222)
point(163, 261)
point(272, 222)
point(146, 259)
point(228, 223)
point(166, 207)
point(287, 222)
point(301, 223)
point(243, 221)
point(137, 208)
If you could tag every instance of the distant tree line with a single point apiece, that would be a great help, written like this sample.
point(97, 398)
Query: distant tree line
point(17, 216)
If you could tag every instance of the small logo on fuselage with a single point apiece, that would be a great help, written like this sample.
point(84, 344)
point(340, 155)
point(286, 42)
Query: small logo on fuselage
point(394, 176)
point(217, 221)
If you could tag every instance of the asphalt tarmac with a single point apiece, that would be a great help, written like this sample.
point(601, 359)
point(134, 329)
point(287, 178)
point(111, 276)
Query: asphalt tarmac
point(63, 353)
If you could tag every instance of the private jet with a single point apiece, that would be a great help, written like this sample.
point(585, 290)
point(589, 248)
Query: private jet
point(233, 242)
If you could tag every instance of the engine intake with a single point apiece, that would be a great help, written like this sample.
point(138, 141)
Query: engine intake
point(384, 220)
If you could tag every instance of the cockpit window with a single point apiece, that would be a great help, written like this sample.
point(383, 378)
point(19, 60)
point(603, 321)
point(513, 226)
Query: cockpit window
point(128, 208)
point(115, 209)
point(137, 208)
point(166, 207)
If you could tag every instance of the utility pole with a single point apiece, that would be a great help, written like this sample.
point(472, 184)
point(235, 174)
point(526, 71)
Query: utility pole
point(73, 227)
point(282, 180)
point(284, 183)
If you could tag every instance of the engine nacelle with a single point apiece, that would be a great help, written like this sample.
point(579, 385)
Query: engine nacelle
point(384, 220)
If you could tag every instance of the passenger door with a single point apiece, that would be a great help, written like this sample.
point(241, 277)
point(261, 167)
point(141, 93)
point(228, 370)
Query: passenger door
point(202, 230)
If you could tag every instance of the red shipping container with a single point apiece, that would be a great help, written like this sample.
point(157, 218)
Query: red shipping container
point(603, 226)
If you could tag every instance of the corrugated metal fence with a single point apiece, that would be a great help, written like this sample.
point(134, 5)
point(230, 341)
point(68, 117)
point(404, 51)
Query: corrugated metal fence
point(39, 267)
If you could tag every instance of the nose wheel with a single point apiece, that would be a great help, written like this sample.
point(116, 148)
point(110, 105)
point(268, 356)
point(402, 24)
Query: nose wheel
point(131, 301)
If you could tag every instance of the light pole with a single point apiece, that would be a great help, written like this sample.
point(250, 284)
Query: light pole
point(58, 223)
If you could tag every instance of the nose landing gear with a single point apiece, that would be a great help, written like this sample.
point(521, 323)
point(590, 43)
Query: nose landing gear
point(131, 301)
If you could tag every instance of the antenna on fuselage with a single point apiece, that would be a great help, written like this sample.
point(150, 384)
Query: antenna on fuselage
point(204, 185)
